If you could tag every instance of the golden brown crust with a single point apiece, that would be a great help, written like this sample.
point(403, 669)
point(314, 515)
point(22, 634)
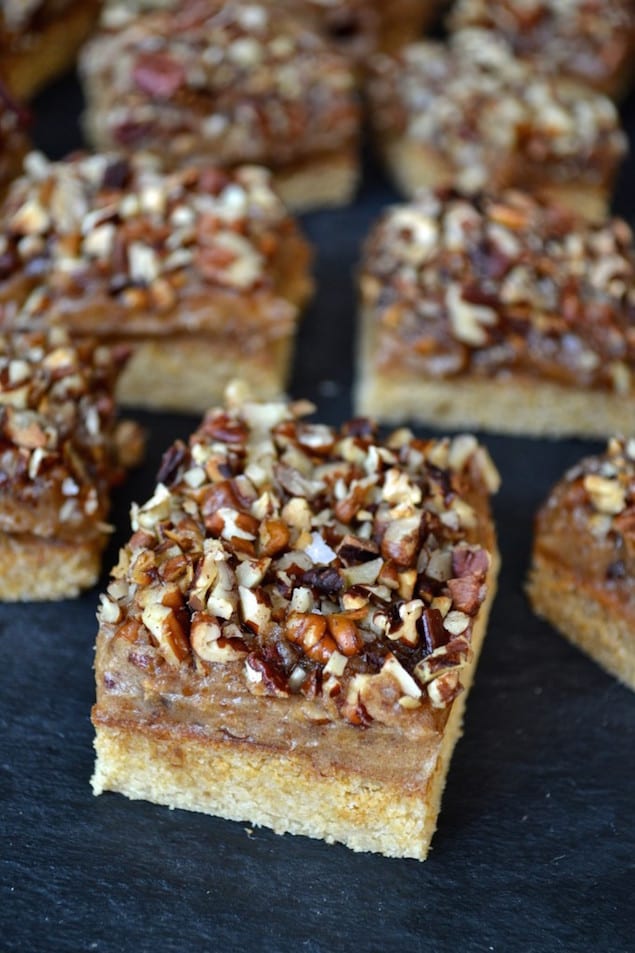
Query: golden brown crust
point(592, 42)
point(583, 565)
point(472, 115)
point(43, 47)
point(119, 251)
point(34, 568)
point(473, 304)
point(179, 368)
point(276, 622)
point(224, 82)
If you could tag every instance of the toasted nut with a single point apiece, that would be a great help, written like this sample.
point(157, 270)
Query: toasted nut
point(607, 496)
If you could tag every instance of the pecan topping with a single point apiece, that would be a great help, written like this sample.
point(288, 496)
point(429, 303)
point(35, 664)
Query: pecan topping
point(493, 119)
point(239, 82)
point(262, 572)
point(60, 450)
point(505, 283)
point(590, 40)
point(140, 246)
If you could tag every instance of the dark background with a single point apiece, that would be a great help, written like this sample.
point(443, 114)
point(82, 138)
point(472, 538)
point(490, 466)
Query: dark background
point(535, 848)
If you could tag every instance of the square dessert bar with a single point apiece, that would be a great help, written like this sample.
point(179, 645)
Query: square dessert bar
point(291, 630)
point(61, 451)
point(473, 115)
point(201, 271)
point(39, 40)
point(228, 83)
point(498, 312)
point(14, 142)
point(591, 41)
point(583, 567)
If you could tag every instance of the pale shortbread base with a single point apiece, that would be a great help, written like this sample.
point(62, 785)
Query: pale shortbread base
point(190, 374)
point(412, 166)
point(326, 182)
point(607, 637)
point(532, 407)
point(34, 569)
point(51, 52)
point(284, 791)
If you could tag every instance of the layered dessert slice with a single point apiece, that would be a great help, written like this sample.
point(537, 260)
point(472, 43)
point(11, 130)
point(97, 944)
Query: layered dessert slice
point(583, 566)
point(291, 630)
point(39, 40)
point(201, 271)
point(472, 115)
point(61, 452)
point(590, 41)
point(228, 83)
point(498, 312)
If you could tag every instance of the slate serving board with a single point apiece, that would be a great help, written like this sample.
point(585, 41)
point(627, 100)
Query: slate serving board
point(535, 847)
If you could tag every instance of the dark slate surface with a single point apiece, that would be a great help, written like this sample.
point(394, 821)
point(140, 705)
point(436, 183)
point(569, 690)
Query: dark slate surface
point(535, 846)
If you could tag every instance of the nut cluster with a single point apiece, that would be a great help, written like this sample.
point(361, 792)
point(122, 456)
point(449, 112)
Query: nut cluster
point(104, 229)
point(489, 284)
point(481, 108)
point(319, 562)
point(58, 453)
point(589, 39)
point(608, 489)
point(240, 81)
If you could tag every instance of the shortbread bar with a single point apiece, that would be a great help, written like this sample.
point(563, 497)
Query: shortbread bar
point(14, 142)
point(228, 83)
point(498, 312)
point(591, 41)
point(290, 633)
point(201, 271)
point(472, 115)
point(60, 455)
point(583, 567)
point(39, 40)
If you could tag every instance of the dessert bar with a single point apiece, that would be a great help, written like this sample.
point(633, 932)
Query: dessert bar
point(583, 566)
point(228, 83)
point(591, 41)
point(472, 115)
point(61, 452)
point(290, 632)
point(201, 271)
point(498, 312)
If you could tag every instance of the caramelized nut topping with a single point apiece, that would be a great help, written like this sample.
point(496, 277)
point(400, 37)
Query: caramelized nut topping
point(591, 40)
point(142, 247)
point(239, 82)
point(59, 445)
point(503, 284)
point(253, 564)
point(495, 120)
